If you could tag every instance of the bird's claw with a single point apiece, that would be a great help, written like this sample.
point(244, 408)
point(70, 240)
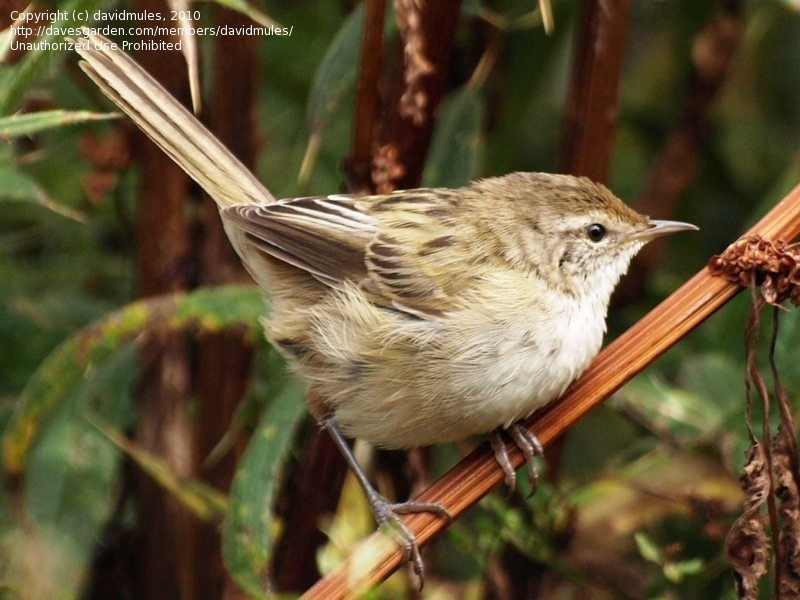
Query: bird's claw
point(387, 515)
point(501, 456)
point(529, 445)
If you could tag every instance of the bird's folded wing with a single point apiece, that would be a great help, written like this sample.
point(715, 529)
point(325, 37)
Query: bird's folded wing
point(326, 236)
point(421, 260)
point(400, 251)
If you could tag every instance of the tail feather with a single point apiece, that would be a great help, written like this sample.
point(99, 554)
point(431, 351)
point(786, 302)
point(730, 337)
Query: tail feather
point(173, 128)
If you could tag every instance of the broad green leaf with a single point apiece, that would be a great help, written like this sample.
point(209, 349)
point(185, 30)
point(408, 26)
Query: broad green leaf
point(249, 528)
point(457, 144)
point(73, 455)
point(334, 81)
point(71, 485)
point(30, 123)
point(210, 309)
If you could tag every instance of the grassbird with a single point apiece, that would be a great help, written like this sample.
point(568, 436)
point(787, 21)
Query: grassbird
point(421, 316)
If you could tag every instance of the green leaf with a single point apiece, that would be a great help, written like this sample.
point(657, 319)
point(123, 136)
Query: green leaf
point(336, 74)
point(210, 309)
point(677, 572)
point(71, 485)
point(648, 548)
point(18, 187)
point(30, 123)
point(333, 84)
point(15, 185)
point(249, 528)
point(201, 499)
point(457, 144)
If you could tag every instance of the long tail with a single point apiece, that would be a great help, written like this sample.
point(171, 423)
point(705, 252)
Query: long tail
point(169, 124)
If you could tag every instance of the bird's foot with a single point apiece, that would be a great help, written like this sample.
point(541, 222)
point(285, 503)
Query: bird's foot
point(387, 514)
point(530, 446)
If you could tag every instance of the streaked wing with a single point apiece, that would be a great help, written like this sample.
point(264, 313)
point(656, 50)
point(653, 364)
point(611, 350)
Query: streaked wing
point(405, 250)
point(326, 236)
point(417, 262)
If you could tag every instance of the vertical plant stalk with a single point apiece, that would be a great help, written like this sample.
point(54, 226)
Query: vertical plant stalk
point(162, 557)
point(223, 360)
point(753, 378)
point(359, 163)
point(787, 476)
point(591, 106)
point(405, 139)
point(472, 478)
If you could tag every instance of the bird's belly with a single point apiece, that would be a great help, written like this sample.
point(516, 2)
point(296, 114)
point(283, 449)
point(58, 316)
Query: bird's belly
point(471, 380)
point(524, 369)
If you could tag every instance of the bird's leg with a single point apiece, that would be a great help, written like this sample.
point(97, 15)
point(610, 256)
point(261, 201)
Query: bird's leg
point(530, 446)
point(386, 513)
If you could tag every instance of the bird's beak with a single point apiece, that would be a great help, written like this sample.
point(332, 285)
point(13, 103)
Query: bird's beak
point(658, 228)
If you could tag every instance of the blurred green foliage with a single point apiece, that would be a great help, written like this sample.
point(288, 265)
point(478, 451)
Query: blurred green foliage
point(647, 483)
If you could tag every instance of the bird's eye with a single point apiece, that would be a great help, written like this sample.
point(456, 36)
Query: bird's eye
point(596, 232)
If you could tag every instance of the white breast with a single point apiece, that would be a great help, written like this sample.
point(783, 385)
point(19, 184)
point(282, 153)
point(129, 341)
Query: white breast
point(527, 361)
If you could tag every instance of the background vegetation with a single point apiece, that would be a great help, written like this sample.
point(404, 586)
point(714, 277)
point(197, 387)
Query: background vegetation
point(149, 443)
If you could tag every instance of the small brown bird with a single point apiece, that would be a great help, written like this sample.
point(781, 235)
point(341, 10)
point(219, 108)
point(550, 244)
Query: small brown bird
point(422, 316)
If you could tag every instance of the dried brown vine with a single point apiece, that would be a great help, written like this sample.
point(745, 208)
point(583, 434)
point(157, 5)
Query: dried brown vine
point(770, 475)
